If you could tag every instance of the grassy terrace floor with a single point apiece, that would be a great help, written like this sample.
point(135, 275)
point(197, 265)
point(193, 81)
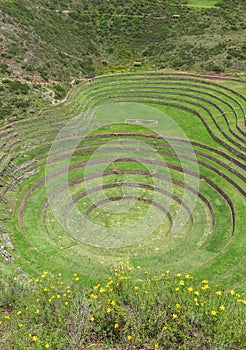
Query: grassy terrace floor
point(202, 3)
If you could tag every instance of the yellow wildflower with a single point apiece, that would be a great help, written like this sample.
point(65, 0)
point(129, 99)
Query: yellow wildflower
point(222, 307)
point(174, 316)
point(108, 310)
point(213, 313)
point(92, 295)
point(219, 292)
point(34, 338)
point(129, 337)
point(47, 345)
point(116, 325)
point(92, 319)
point(181, 282)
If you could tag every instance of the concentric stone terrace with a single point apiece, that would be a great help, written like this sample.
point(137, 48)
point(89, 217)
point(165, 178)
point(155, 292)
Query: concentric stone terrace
point(144, 167)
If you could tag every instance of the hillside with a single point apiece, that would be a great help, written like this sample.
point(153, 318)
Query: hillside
point(46, 41)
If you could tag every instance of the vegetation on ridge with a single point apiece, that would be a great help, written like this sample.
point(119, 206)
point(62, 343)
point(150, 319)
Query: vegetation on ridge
point(59, 41)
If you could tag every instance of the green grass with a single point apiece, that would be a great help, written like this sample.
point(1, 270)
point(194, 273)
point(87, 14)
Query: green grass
point(52, 234)
point(106, 246)
point(129, 228)
point(202, 3)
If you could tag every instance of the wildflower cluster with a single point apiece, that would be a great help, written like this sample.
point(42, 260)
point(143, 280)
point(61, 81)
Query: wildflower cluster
point(31, 321)
point(139, 308)
point(130, 309)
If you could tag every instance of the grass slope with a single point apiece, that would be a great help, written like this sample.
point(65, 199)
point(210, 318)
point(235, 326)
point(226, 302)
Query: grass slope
point(55, 41)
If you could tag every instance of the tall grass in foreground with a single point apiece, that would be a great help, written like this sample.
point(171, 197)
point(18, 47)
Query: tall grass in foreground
point(131, 310)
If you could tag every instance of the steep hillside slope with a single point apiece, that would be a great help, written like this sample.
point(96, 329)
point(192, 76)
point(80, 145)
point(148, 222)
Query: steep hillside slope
point(59, 41)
